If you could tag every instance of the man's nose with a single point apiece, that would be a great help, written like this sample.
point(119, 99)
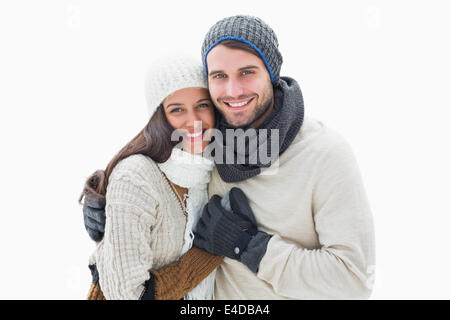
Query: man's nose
point(234, 89)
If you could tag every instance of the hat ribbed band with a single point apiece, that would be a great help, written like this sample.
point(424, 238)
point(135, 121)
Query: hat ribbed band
point(263, 57)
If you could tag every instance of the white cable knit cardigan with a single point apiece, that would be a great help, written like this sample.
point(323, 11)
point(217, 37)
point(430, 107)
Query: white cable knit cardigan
point(146, 227)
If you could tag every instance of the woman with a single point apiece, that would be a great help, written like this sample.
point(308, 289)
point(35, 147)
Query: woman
point(154, 193)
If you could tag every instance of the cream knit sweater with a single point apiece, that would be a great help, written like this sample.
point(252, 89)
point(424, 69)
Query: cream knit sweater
point(314, 204)
point(146, 227)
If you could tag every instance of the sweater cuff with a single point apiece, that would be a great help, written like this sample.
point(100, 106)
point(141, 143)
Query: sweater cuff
point(255, 251)
point(149, 289)
point(174, 281)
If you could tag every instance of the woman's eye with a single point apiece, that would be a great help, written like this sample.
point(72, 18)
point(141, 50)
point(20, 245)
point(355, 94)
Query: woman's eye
point(175, 110)
point(203, 105)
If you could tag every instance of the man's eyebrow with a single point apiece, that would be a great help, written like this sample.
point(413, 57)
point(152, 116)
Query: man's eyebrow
point(248, 67)
point(240, 69)
point(215, 72)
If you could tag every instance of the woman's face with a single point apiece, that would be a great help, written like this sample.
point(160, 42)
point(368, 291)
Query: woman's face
point(191, 111)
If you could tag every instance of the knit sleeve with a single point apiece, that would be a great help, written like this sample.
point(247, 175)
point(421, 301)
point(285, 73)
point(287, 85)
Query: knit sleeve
point(342, 268)
point(124, 257)
point(177, 279)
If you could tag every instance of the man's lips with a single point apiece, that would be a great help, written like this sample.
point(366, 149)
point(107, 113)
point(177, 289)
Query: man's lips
point(238, 105)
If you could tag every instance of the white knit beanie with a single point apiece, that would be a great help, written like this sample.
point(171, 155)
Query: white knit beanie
point(171, 73)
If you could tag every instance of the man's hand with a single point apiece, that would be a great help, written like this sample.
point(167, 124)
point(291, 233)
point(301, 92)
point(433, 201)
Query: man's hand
point(94, 217)
point(231, 233)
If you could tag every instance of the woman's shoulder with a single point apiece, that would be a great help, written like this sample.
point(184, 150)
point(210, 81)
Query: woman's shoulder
point(135, 179)
point(138, 167)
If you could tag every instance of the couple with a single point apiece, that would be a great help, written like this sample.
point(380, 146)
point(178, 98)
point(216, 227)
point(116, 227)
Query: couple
point(172, 224)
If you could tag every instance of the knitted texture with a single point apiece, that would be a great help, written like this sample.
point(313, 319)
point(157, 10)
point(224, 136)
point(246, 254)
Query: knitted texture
point(171, 73)
point(176, 280)
point(317, 210)
point(95, 293)
point(191, 171)
point(250, 30)
point(286, 120)
point(173, 281)
point(255, 251)
point(187, 170)
point(146, 228)
point(219, 231)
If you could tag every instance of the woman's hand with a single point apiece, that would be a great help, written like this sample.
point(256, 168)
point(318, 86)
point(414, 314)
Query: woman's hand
point(94, 217)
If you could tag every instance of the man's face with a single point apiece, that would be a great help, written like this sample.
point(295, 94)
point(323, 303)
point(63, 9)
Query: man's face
point(240, 86)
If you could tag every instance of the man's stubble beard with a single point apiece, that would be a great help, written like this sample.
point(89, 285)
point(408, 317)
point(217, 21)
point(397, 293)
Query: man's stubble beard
point(260, 111)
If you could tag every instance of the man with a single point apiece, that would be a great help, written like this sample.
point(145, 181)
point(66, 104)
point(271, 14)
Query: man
point(304, 231)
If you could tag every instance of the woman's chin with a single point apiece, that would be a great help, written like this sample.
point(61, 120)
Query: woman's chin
point(195, 148)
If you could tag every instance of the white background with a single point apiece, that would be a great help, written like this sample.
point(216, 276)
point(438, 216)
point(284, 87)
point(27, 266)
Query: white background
point(71, 95)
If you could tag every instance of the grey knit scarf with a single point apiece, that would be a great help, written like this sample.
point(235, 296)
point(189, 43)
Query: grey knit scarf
point(287, 117)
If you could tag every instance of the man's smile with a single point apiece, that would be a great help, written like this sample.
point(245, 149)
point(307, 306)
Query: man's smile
point(238, 105)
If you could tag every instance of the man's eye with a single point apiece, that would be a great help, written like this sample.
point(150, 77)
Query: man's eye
point(219, 76)
point(247, 72)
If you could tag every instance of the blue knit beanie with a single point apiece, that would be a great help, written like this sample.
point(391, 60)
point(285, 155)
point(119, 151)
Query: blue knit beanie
point(252, 31)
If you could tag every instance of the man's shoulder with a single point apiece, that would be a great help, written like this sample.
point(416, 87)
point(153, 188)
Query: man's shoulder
point(317, 136)
point(314, 131)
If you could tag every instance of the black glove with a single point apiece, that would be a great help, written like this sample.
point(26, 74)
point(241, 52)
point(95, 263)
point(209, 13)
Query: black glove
point(94, 217)
point(231, 233)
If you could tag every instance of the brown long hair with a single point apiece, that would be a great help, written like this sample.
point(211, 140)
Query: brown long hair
point(153, 141)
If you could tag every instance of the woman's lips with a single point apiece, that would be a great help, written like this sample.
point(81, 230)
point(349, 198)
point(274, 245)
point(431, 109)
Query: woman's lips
point(197, 136)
